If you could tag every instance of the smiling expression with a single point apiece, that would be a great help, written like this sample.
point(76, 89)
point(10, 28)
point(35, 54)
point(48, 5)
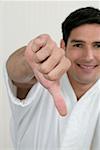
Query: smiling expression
point(83, 49)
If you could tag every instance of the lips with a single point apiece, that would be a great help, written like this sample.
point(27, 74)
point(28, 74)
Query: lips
point(87, 66)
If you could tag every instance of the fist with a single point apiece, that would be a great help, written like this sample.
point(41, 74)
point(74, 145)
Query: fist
point(48, 63)
point(43, 55)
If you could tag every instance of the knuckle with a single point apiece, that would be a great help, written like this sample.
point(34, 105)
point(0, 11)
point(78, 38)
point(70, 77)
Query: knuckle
point(58, 52)
point(48, 48)
point(53, 44)
point(43, 68)
point(36, 42)
point(52, 76)
point(46, 35)
point(43, 36)
point(37, 55)
point(67, 62)
point(38, 58)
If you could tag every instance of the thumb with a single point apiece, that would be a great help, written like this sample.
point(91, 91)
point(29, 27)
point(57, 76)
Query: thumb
point(54, 88)
point(58, 99)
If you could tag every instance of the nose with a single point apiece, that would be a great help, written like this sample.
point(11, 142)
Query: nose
point(88, 54)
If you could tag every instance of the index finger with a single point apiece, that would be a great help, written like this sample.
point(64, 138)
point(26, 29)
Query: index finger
point(38, 43)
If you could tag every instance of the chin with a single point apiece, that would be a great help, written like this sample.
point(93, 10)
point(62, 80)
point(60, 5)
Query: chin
point(86, 80)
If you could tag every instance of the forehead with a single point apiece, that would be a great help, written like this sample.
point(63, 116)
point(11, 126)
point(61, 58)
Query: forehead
point(86, 32)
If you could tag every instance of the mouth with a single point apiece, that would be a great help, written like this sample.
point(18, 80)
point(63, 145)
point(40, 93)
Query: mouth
point(87, 67)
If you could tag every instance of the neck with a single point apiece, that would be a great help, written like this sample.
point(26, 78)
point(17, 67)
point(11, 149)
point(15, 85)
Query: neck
point(79, 88)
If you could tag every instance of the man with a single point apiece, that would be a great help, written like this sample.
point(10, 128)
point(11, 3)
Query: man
point(42, 76)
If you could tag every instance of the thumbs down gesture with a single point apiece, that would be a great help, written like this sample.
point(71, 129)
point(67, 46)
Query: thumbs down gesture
point(48, 63)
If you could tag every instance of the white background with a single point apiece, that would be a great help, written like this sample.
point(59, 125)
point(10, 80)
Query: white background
point(20, 21)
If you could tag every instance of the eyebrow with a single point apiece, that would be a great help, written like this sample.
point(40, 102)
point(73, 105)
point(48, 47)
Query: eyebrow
point(80, 41)
point(77, 41)
point(97, 42)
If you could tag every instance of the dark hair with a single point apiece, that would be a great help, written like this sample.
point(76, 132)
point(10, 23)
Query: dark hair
point(87, 15)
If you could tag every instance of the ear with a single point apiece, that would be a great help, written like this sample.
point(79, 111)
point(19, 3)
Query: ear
point(62, 44)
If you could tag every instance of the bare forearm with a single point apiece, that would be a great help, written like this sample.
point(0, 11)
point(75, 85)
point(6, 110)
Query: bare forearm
point(19, 70)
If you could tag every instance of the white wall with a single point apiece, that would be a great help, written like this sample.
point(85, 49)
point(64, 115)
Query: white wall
point(21, 21)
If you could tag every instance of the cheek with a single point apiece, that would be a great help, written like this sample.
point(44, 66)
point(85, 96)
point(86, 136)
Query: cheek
point(72, 56)
point(98, 58)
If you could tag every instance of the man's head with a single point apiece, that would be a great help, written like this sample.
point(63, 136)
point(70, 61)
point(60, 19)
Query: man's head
point(87, 15)
point(81, 41)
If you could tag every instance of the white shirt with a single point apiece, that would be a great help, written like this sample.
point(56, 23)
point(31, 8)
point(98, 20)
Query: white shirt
point(36, 124)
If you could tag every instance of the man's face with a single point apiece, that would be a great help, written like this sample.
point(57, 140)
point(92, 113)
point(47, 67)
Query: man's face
point(83, 49)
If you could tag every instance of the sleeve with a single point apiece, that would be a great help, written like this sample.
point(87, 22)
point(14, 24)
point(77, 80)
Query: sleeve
point(96, 140)
point(22, 110)
point(12, 92)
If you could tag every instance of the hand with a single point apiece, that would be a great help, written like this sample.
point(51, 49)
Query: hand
point(48, 63)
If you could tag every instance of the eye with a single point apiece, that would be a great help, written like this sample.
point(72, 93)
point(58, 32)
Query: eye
point(97, 45)
point(78, 45)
